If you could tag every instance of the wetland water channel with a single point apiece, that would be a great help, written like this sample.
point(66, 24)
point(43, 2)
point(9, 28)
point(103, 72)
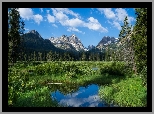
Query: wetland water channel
point(82, 97)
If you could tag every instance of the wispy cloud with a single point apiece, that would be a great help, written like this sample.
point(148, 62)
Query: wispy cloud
point(108, 12)
point(61, 15)
point(55, 25)
point(47, 11)
point(93, 24)
point(116, 17)
point(115, 24)
point(41, 10)
point(74, 29)
point(38, 18)
point(67, 11)
point(27, 14)
point(51, 19)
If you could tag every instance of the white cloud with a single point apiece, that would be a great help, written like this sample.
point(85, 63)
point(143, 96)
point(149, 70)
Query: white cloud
point(117, 25)
point(73, 29)
point(117, 17)
point(61, 16)
point(47, 11)
point(38, 18)
point(108, 12)
point(55, 25)
point(75, 22)
point(93, 24)
point(121, 14)
point(51, 19)
point(67, 11)
point(41, 10)
point(27, 14)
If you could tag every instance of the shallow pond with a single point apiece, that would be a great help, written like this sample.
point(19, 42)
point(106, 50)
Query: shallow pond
point(94, 68)
point(83, 97)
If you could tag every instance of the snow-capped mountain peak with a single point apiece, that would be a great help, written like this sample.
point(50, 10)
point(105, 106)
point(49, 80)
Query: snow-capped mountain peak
point(69, 43)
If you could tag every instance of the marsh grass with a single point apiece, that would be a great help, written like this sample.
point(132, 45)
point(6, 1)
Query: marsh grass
point(34, 77)
point(36, 98)
point(129, 92)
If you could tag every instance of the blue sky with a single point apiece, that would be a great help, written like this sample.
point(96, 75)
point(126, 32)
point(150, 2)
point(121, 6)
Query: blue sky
point(90, 25)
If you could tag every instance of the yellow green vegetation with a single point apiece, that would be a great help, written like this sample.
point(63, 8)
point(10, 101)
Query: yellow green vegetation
point(28, 82)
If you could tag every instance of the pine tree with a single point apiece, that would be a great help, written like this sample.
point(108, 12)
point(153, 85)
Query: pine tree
point(126, 45)
point(34, 58)
point(40, 56)
point(15, 30)
point(83, 58)
point(49, 56)
point(140, 40)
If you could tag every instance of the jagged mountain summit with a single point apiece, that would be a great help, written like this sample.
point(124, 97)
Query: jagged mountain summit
point(35, 32)
point(34, 42)
point(68, 43)
point(91, 47)
point(106, 40)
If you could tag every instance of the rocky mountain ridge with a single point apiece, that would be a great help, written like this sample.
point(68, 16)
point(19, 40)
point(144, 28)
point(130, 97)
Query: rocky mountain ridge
point(73, 43)
point(68, 42)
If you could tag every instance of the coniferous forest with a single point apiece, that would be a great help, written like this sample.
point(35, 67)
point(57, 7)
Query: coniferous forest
point(36, 67)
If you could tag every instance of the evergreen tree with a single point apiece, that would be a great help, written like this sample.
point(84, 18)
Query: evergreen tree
point(15, 30)
point(139, 39)
point(126, 45)
point(40, 56)
point(49, 56)
point(83, 58)
point(34, 58)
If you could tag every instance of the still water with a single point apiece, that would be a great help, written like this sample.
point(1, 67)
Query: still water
point(83, 97)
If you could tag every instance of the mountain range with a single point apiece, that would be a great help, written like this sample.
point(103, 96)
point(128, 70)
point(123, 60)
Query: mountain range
point(34, 42)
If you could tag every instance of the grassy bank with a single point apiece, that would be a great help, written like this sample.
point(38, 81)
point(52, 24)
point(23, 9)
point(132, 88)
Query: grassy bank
point(28, 82)
point(129, 92)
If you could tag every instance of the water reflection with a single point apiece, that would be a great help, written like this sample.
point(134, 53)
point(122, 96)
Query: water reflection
point(84, 97)
point(95, 68)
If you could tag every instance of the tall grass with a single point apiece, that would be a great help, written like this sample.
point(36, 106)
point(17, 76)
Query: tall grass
point(26, 80)
point(129, 92)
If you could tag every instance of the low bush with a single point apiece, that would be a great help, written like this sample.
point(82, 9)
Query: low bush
point(114, 68)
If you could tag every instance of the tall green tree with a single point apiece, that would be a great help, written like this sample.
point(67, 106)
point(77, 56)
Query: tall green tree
point(125, 31)
point(126, 45)
point(40, 56)
point(15, 30)
point(34, 58)
point(83, 58)
point(49, 56)
point(140, 40)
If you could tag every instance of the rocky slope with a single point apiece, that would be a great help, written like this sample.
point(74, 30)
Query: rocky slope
point(34, 42)
point(68, 43)
point(106, 40)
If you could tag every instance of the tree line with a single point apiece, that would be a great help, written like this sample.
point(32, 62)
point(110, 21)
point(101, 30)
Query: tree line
point(59, 56)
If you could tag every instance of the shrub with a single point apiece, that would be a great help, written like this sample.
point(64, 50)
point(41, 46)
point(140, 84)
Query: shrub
point(113, 68)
